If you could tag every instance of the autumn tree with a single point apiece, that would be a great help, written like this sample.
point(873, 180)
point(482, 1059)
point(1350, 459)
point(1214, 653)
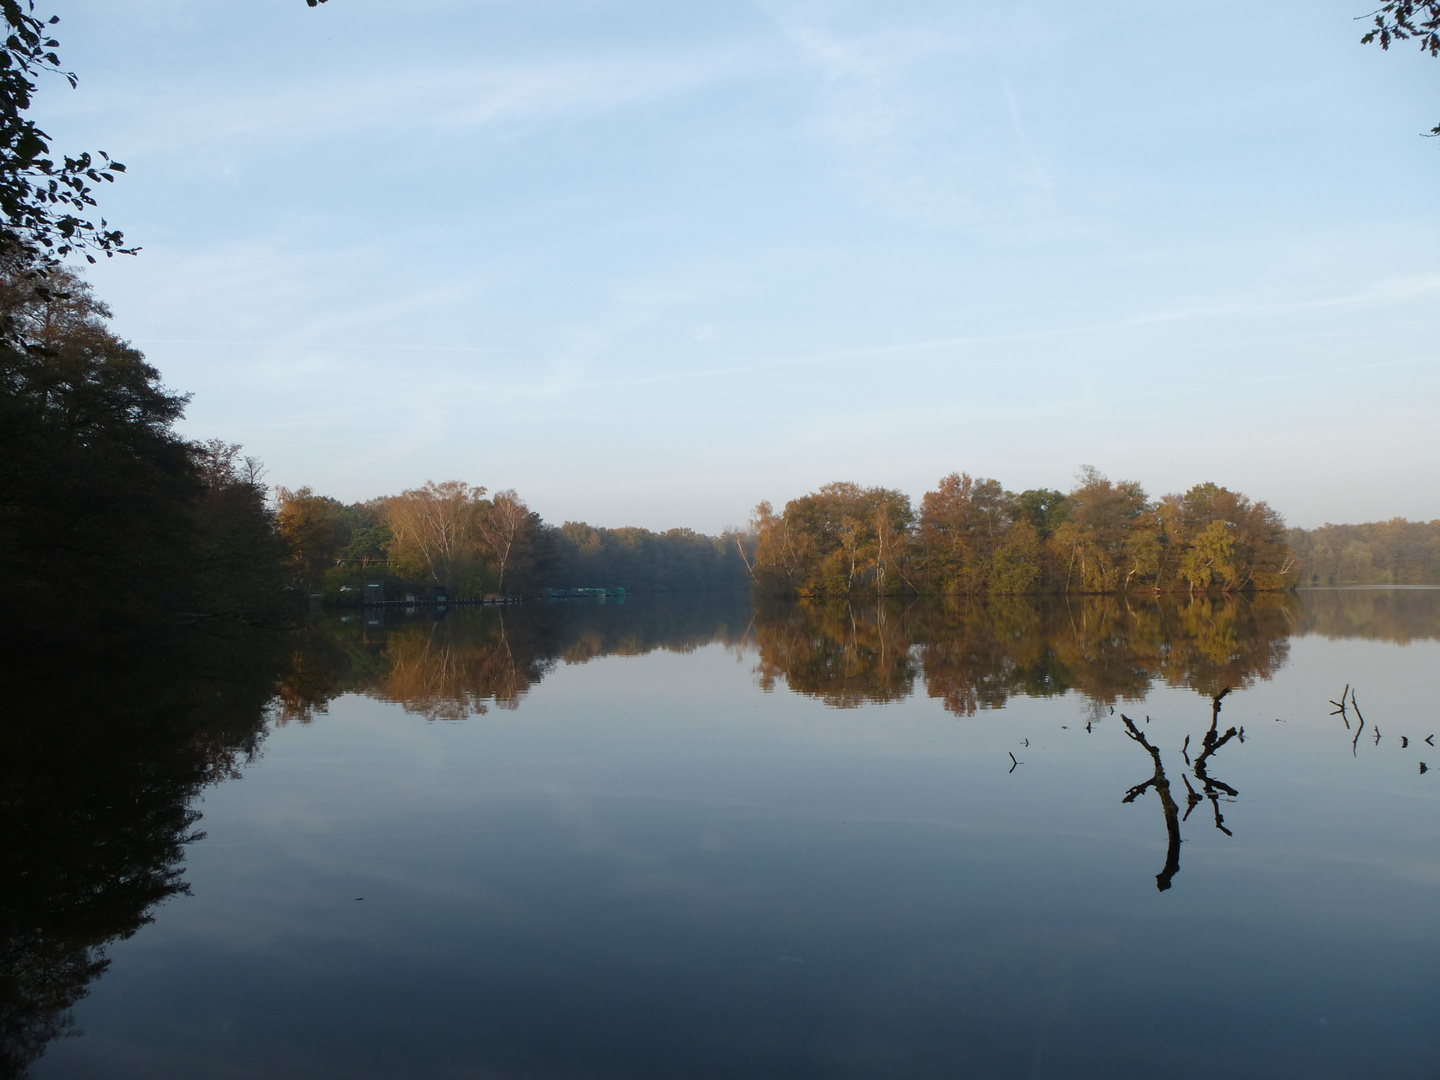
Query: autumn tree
point(436, 529)
point(893, 526)
point(783, 551)
point(1229, 542)
point(963, 523)
point(1098, 540)
point(314, 532)
point(834, 541)
point(505, 525)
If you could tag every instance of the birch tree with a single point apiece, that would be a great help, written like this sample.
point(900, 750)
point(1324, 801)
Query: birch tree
point(504, 527)
point(436, 528)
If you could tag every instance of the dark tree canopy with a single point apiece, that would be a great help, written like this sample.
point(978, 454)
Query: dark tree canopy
point(106, 513)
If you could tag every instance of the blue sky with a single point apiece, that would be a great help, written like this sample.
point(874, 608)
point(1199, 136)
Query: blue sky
point(650, 263)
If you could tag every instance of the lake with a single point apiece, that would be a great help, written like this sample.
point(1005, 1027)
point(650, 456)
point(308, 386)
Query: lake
point(694, 837)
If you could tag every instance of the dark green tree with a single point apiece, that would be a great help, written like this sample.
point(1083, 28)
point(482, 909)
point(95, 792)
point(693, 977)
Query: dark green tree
point(107, 515)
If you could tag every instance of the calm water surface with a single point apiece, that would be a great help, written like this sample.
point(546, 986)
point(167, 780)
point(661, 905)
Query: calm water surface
point(688, 838)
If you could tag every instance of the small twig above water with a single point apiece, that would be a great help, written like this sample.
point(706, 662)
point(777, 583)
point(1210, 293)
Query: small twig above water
point(1340, 707)
point(1192, 800)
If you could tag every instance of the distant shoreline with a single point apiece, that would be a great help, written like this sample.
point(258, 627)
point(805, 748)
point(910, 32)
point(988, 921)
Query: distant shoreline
point(1352, 588)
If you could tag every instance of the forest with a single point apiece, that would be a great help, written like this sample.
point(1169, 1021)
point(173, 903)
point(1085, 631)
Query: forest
point(1394, 552)
point(111, 516)
point(478, 544)
point(972, 536)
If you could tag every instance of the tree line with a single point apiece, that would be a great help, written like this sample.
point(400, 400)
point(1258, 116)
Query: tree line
point(473, 543)
point(972, 536)
point(107, 514)
point(1394, 552)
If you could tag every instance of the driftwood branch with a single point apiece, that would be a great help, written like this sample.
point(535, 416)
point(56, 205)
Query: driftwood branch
point(1161, 783)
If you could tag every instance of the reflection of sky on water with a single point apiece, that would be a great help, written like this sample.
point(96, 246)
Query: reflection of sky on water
point(653, 869)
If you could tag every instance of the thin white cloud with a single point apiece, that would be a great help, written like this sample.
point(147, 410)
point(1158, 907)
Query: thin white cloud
point(590, 346)
point(445, 102)
point(927, 117)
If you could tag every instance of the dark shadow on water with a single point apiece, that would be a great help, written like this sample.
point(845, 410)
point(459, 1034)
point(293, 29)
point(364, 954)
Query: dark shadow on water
point(101, 758)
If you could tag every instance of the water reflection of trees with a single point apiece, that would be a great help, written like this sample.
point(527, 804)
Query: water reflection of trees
point(467, 661)
point(1396, 615)
point(968, 655)
point(978, 655)
point(840, 653)
point(100, 761)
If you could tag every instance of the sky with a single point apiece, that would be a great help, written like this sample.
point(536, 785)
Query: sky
point(649, 263)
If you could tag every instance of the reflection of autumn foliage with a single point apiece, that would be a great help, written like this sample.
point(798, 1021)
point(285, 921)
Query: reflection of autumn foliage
point(1398, 615)
point(1219, 643)
point(323, 665)
point(448, 675)
point(977, 654)
point(842, 654)
point(972, 654)
point(471, 659)
point(444, 670)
